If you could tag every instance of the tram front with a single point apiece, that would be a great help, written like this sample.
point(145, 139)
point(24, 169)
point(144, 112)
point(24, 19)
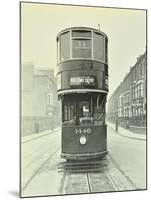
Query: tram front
point(82, 86)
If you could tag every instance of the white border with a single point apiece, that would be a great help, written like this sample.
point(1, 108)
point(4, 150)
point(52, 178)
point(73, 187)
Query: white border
point(9, 87)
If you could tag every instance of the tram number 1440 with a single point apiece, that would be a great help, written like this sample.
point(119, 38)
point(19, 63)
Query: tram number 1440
point(83, 131)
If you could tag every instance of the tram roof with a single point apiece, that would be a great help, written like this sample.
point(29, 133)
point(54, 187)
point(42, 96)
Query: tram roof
point(81, 28)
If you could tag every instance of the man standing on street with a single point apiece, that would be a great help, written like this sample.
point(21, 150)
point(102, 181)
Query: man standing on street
point(116, 125)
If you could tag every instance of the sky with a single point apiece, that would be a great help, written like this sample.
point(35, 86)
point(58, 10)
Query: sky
point(125, 28)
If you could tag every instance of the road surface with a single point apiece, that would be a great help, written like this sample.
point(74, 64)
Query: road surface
point(45, 173)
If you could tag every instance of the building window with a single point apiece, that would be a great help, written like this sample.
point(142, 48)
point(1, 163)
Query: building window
point(141, 70)
point(134, 74)
point(137, 91)
point(141, 90)
point(128, 99)
point(121, 101)
point(139, 111)
point(133, 93)
point(133, 111)
point(136, 110)
point(128, 112)
point(50, 99)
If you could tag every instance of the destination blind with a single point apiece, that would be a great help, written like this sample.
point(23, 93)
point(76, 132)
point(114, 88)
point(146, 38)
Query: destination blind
point(82, 80)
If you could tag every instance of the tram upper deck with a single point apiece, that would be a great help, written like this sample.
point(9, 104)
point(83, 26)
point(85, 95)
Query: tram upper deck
point(82, 43)
point(82, 60)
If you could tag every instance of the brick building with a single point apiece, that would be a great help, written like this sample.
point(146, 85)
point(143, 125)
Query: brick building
point(128, 102)
point(39, 104)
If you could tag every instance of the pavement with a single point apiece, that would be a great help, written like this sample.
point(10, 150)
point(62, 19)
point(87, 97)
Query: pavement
point(127, 133)
point(37, 135)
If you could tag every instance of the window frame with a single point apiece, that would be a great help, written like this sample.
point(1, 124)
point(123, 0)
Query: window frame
point(104, 47)
point(104, 59)
point(77, 116)
point(89, 48)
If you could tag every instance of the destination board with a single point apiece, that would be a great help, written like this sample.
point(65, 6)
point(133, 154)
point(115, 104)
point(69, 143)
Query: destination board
point(82, 80)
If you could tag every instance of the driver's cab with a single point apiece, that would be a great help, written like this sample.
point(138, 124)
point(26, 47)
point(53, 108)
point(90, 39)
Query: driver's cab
point(83, 109)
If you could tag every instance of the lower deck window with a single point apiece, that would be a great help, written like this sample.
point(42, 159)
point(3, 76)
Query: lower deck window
point(84, 111)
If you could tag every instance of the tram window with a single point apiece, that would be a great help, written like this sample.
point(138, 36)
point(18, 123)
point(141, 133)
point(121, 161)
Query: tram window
point(90, 111)
point(69, 113)
point(58, 81)
point(64, 46)
point(81, 48)
point(85, 113)
point(81, 33)
point(99, 110)
point(84, 109)
point(99, 47)
point(100, 77)
point(106, 50)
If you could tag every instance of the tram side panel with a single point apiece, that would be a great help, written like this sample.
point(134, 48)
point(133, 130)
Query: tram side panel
point(93, 75)
point(83, 125)
point(88, 141)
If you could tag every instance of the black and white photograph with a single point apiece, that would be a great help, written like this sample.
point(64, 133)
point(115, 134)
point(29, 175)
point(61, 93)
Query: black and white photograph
point(75, 99)
point(83, 99)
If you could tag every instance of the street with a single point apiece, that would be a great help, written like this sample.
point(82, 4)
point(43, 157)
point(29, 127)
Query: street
point(45, 173)
point(130, 155)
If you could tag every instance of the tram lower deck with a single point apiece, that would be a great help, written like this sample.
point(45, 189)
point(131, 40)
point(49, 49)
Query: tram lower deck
point(83, 126)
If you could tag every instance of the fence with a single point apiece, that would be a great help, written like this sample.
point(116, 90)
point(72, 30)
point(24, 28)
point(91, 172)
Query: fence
point(30, 125)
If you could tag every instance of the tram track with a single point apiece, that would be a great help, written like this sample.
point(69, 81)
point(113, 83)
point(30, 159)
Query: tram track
point(132, 184)
point(90, 182)
point(89, 185)
point(104, 179)
point(82, 177)
point(75, 177)
point(111, 180)
point(85, 177)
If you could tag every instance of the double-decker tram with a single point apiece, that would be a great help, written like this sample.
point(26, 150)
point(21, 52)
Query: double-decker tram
point(82, 87)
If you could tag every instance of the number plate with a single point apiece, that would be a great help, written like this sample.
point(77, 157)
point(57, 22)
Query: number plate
point(83, 131)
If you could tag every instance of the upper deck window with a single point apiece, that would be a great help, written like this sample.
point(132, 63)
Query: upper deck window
point(81, 33)
point(59, 81)
point(81, 44)
point(81, 48)
point(99, 47)
point(64, 46)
